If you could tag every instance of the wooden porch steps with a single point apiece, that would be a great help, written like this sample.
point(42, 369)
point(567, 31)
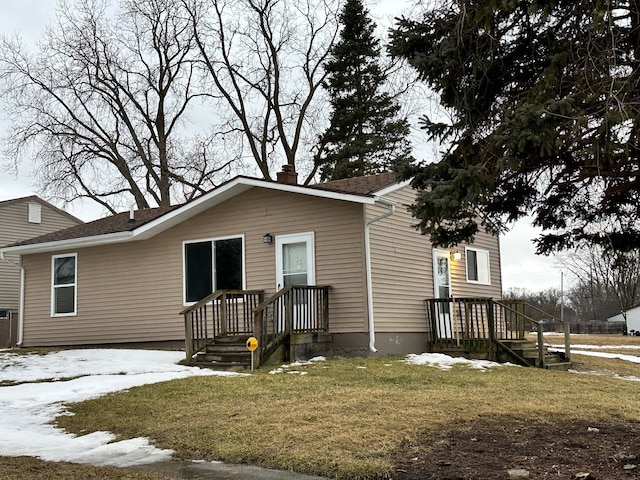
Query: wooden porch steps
point(528, 351)
point(228, 352)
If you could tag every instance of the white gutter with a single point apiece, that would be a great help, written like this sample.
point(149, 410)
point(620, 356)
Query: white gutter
point(20, 301)
point(184, 212)
point(367, 252)
point(70, 243)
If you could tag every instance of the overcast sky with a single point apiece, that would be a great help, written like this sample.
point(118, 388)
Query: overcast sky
point(520, 266)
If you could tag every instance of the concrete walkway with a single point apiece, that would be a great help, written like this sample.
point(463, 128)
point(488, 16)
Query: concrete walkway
point(183, 470)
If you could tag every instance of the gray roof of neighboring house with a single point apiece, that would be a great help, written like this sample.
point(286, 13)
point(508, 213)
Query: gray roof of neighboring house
point(119, 223)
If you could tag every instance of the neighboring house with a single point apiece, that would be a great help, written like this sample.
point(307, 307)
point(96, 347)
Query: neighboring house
point(632, 318)
point(21, 219)
point(125, 278)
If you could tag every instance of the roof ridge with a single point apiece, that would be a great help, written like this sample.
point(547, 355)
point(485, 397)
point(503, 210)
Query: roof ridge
point(362, 185)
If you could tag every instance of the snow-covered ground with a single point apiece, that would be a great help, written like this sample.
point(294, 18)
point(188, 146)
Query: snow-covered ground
point(445, 362)
point(27, 409)
point(46, 383)
point(588, 350)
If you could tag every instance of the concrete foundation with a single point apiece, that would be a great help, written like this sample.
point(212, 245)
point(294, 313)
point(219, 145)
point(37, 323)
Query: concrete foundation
point(309, 345)
point(387, 343)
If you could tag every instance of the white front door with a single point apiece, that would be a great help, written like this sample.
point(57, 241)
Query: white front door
point(442, 289)
point(295, 262)
point(295, 265)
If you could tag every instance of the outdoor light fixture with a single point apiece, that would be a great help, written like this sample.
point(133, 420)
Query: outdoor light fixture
point(456, 255)
point(267, 238)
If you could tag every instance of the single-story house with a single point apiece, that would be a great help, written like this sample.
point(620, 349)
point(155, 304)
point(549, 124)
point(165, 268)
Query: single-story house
point(21, 219)
point(126, 278)
point(632, 318)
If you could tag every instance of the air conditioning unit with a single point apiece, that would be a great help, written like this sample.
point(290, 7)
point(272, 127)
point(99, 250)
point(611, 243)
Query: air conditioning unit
point(5, 314)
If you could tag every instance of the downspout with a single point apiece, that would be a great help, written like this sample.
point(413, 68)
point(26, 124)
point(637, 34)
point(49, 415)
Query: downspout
point(367, 252)
point(20, 301)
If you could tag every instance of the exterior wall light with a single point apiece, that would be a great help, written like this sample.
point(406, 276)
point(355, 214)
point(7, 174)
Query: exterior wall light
point(456, 255)
point(267, 238)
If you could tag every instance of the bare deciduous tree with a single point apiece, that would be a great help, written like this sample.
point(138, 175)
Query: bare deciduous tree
point(102, 102)
point(606, 281)
point(264, 59)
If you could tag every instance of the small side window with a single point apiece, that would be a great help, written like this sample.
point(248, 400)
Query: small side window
point(35, 213)
point(478, 266)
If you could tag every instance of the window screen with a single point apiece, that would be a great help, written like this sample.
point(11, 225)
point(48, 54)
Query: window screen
point(198, 270)
point(212, 265)
point(228, 264)
point(472, 265)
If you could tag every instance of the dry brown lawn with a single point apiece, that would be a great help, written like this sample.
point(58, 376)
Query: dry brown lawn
point(345, 418)
point(26, 468)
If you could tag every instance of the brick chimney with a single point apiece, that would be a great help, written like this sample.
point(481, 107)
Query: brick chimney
point(287, 175)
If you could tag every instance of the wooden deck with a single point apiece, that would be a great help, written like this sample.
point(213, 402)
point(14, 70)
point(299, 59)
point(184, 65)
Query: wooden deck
point(492, 329)
point(217, 326)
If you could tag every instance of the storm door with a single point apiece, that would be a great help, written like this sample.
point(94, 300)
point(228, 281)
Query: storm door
point(295, 265)
point(442, 290)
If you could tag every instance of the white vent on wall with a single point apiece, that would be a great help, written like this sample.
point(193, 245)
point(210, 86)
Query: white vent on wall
point(35, 213)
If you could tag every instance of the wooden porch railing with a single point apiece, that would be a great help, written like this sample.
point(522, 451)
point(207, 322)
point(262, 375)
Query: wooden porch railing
point(293, 309)
point(480, 323)
point(461, 322)
point(223, 312)
point(522, 317)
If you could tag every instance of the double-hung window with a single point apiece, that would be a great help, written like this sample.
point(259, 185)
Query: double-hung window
point(211, 265)
point(478, 266)
point(63, 284)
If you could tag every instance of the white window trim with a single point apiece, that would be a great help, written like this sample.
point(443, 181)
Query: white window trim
point(74, 285)
point(466, 265)
point(213, 265)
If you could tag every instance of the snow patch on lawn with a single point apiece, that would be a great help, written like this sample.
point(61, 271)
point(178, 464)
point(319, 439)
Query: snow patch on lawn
point(300, 363)
point(600, 347)
point(620, 356)
point(27, 409)
point(445, 362)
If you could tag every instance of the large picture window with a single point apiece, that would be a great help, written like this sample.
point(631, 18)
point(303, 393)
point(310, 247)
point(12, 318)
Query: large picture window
point(211, 265)
point(478, 266)
point(63, 284)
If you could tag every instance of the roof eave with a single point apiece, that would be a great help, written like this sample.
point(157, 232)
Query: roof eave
point(392, 188)
point(72, 243)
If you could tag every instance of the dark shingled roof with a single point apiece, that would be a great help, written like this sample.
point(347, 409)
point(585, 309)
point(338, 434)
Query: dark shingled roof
point(113, 224)
point(359, 185)
point(365, 186)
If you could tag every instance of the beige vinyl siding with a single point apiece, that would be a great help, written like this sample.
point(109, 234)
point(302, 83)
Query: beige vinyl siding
point(463, 288)
point(14, 226)
point(402, 268)
point(132, 292)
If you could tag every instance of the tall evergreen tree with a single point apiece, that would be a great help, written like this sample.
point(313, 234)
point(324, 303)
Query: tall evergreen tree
point(544, 101)
point(365, 135)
